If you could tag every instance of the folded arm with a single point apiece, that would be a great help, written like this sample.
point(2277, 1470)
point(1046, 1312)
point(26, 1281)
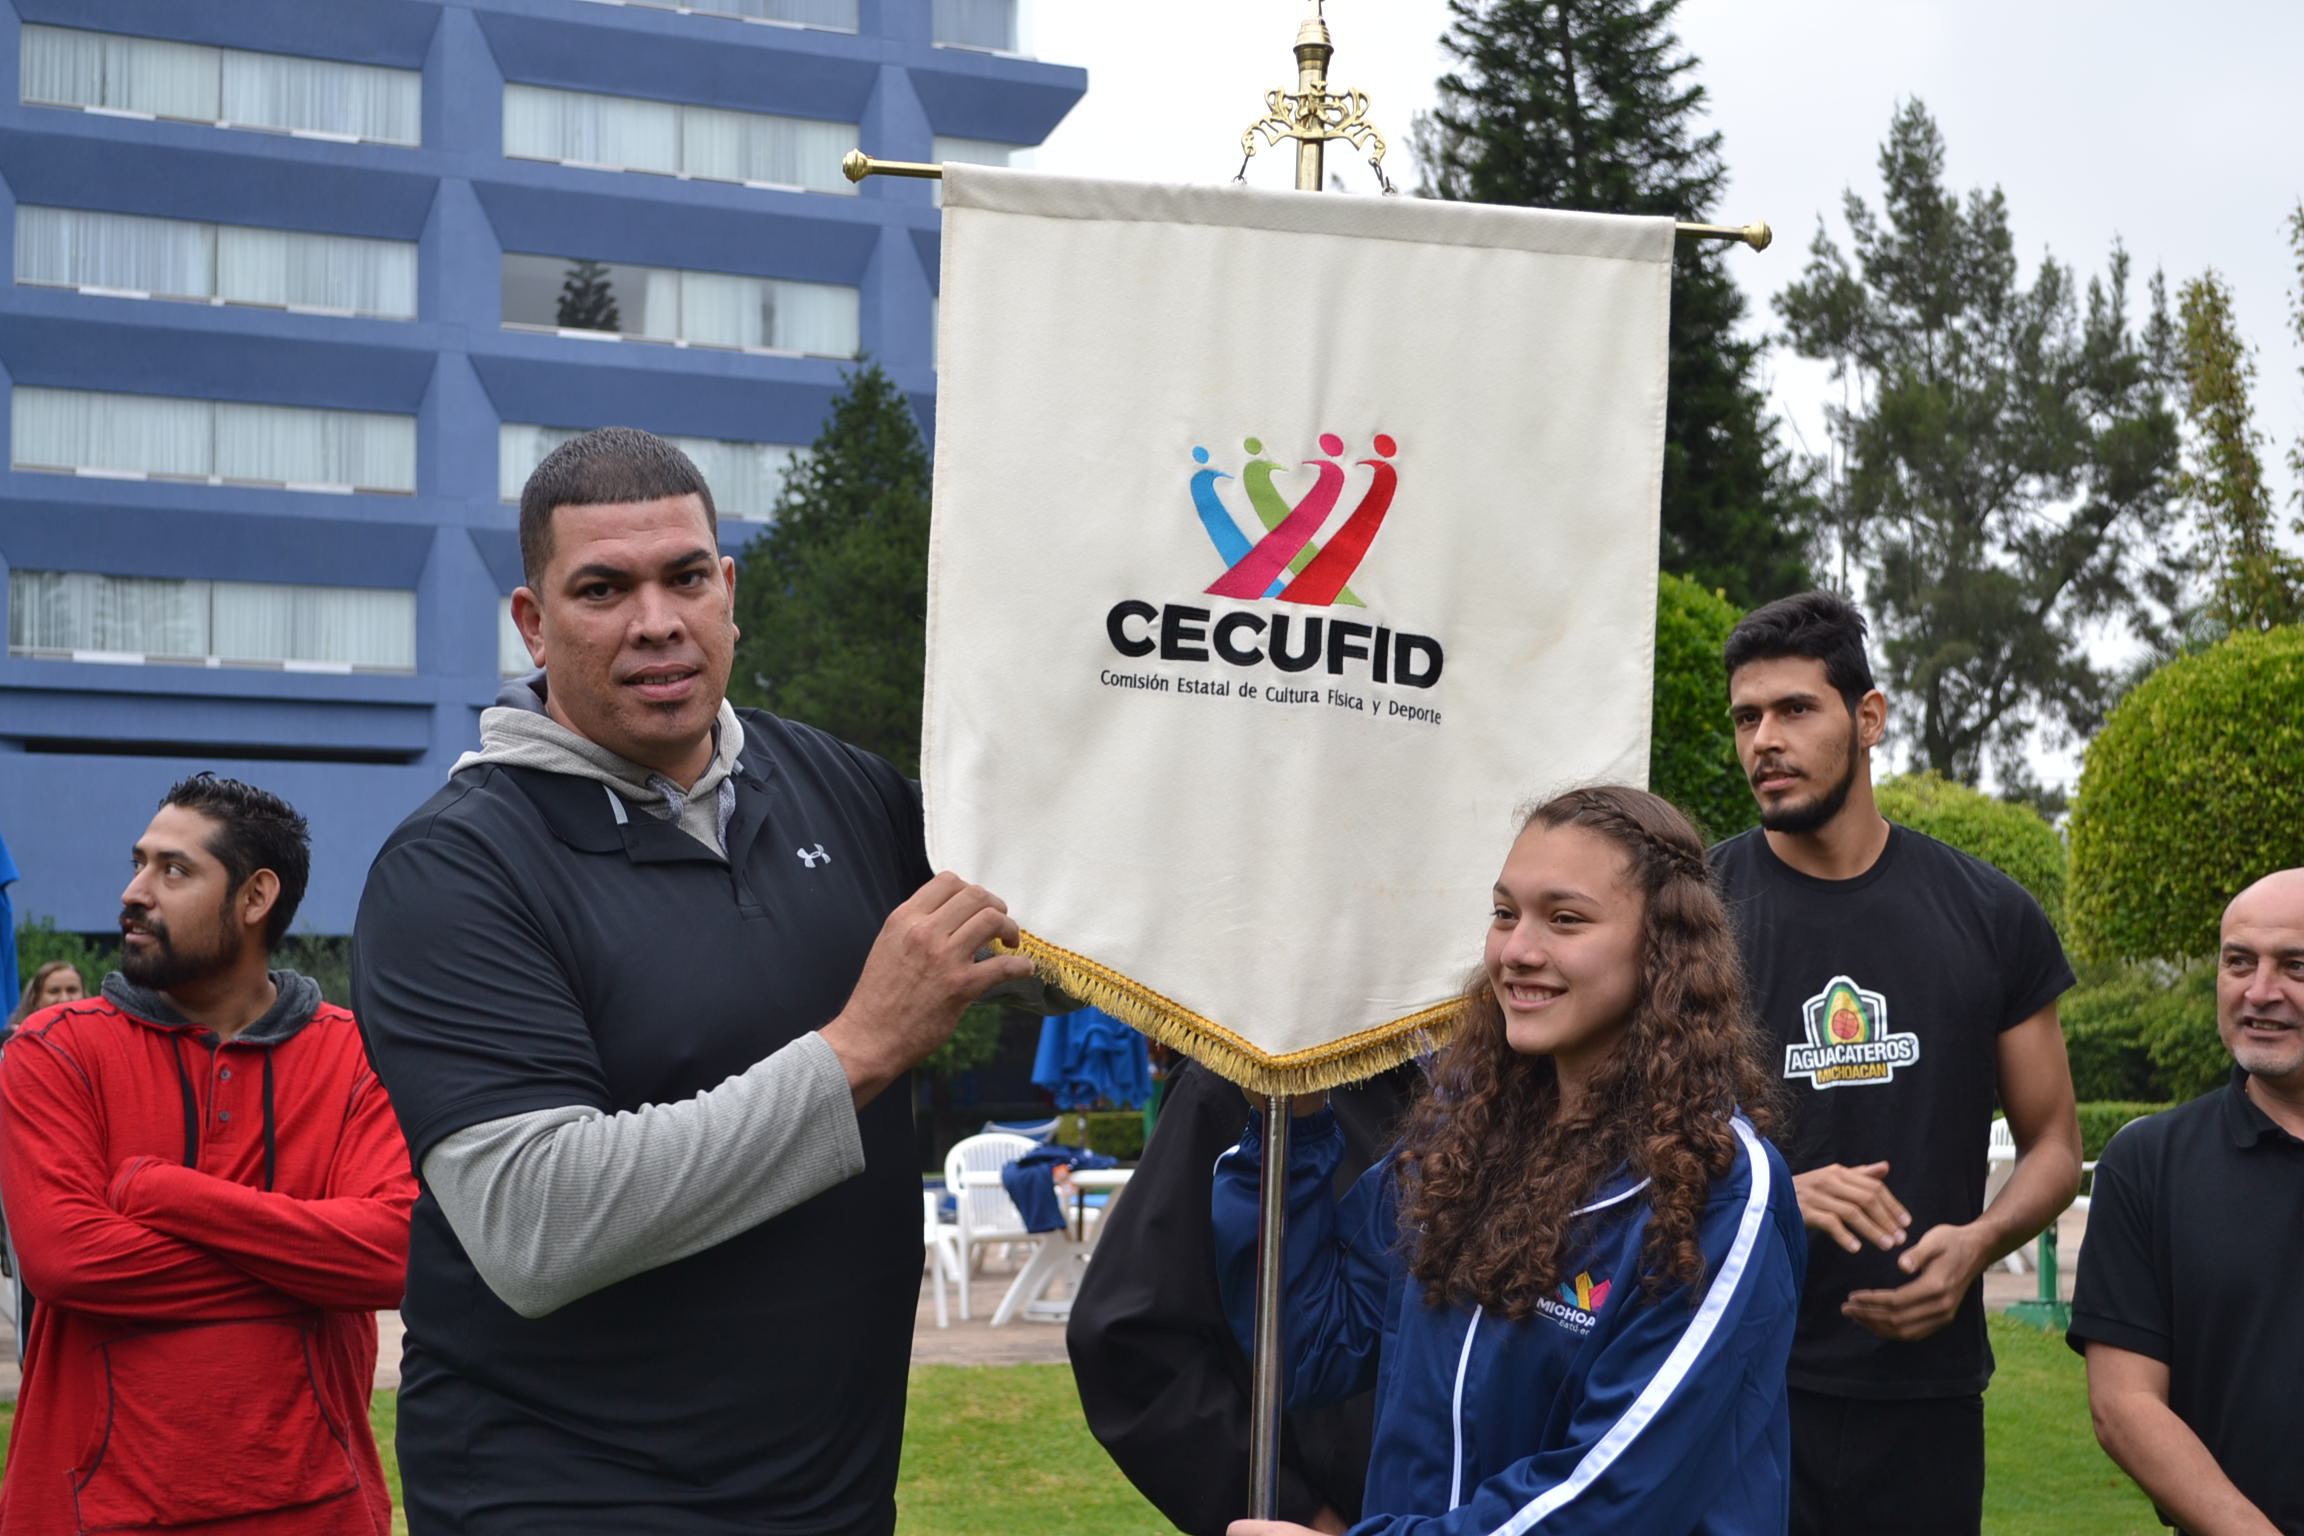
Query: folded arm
point(77, 1251)
point(347, 1250)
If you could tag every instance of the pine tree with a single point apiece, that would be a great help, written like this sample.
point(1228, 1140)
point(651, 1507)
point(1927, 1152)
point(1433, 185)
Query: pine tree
point(2257, 584)
point(2296, 322)
point(1593, 105)
point(833, 598)
point(833, 604)
point(2011, 458)
point(587, 299)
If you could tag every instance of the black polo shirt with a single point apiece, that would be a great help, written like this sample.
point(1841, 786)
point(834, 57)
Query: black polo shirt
point(519, 948)
point(2195, 1243)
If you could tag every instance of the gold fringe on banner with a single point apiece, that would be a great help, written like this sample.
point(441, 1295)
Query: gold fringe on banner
point(1349, 1060)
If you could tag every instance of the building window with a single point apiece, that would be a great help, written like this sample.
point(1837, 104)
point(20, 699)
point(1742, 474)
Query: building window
point(77, 431)
point(626, 133)
point(746, 478)
point(226, 87)
point(705, 309)
point(833, 15)
point(84, 616)
point(977, 24)
point(123, 253)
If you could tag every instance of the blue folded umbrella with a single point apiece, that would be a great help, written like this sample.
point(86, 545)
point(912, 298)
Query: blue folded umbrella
point(1090, 1057)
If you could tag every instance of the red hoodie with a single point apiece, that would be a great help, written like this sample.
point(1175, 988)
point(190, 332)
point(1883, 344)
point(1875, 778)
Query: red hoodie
point(207, 1231)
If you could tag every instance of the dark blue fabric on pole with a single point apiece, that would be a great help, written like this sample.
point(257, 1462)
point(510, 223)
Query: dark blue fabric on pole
point(10, 982)
point(1031, 1183)
point(1089, 1057)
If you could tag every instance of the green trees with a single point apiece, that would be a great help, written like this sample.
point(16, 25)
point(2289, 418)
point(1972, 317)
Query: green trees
point(2256, 583)
point(2009, 454)
point(2189, 793)
point(832, 600)
point(587, 299)
point(833, 604)
point(1691, 745)
point(1592, 105)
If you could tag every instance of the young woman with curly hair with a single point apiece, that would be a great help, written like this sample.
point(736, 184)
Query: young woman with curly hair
point(1574, 1282)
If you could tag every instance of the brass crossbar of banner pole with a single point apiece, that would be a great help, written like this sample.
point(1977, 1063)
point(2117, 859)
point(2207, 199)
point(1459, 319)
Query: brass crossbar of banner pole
point(859, 165)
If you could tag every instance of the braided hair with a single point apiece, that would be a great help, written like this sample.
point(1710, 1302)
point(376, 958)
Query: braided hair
point(1492, 1167)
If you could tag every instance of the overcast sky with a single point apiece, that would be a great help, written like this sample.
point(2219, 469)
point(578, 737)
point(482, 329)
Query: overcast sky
point(2178, 131)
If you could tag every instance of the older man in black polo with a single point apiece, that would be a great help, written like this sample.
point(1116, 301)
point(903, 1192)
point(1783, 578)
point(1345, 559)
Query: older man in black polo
point(639, 979)
point(2185, 1300)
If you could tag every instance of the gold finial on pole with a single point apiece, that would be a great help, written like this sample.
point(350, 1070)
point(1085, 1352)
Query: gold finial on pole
point(1312, 114)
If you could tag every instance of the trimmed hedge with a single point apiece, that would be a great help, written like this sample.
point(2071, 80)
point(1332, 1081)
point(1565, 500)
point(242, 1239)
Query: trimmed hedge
point(2011, 838)
point(1115, 1132)
point(2188, 794)
point(1691, 745)
point(2099, 1120)
point(2144, 1032)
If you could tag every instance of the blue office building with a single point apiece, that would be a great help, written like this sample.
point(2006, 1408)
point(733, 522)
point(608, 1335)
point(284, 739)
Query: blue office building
point(302, 290)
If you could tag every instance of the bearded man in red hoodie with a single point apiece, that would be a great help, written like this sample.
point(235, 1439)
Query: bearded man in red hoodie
point(210, 1197)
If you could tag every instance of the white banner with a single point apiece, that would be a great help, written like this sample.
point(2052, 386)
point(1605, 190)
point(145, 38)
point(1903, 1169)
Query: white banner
point(1285, 544)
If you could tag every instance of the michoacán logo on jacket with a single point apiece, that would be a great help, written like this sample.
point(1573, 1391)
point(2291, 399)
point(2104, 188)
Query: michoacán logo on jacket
point(1848, 1039)
point(1277, 555)
point(1577, 1308)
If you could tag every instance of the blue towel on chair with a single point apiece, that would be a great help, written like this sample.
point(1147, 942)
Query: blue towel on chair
point(1032, 1186)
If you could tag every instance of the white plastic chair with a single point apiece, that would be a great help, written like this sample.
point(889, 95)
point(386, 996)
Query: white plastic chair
point(2000, 1154)
point(985, 1213)
point(941, 1240)
point(1041, 1131)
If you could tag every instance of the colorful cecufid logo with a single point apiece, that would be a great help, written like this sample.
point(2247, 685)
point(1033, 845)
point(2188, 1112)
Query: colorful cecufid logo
point(1285, 562)
point(1584, 1294)
point(1848, 1039)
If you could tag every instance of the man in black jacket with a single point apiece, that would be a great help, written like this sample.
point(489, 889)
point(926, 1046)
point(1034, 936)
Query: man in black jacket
point(644, 979)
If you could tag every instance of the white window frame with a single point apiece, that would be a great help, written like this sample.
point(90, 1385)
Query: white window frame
point(217, 414)
point(213, 235)
point(223, 56)
point(204, 591)
point(723, 14)
point(834, 182)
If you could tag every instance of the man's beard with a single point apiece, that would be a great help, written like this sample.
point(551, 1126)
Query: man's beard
point(1814, 815)
point(162, 968)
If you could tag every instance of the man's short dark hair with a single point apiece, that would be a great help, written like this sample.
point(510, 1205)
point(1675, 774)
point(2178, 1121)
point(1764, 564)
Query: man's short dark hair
point(255, 829)
point(604, 465)
point(1822, 626)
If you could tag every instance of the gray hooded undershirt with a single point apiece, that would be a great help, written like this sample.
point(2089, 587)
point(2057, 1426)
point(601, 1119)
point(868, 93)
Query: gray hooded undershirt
point(554, 1204)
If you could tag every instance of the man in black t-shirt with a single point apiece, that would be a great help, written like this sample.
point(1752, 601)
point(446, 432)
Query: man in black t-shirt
point(643, 980)
point(2195, 1233)
point(1906, 985)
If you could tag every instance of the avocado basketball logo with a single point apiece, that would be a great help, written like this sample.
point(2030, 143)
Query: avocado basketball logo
point(1848, 1039)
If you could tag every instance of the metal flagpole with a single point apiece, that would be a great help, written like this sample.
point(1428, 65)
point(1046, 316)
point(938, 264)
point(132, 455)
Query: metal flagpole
point(1312, 114)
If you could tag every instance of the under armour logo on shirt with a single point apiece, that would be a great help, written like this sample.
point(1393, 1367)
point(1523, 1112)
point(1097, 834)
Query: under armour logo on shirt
point(812, 859)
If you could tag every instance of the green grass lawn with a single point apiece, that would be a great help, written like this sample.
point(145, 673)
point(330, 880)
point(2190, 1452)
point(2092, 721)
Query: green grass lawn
point(2044, 1473)
point(992, 1450)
